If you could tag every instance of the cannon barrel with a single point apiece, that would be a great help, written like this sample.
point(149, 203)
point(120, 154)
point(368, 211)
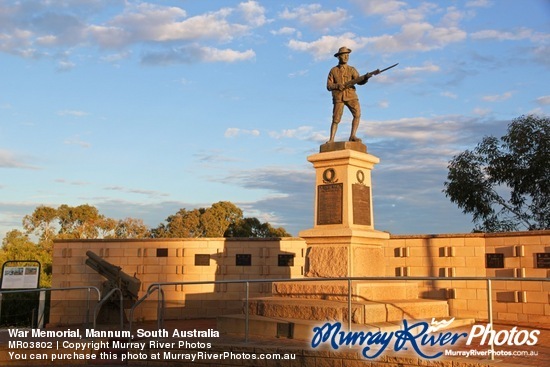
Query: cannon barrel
point(129, 285)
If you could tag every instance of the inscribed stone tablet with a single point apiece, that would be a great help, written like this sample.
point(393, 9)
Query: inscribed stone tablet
point(285, 260)
point(243, 259)
point(361, 204)
point(202, 259)
point(494, 261)
point(329, 204)
point(543, 260)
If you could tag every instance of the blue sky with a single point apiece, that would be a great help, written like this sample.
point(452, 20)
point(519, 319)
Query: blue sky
point(141, 108)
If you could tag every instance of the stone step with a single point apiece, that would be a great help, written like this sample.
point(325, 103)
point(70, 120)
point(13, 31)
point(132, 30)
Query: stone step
point(338, 290)
point(362, 312)
point(303, 329)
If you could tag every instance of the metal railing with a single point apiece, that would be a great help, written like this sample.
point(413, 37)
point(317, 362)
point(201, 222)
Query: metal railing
point(88, 288)
point(104, 299)
point(161, 300)
point(158, 287)
point(97, 307)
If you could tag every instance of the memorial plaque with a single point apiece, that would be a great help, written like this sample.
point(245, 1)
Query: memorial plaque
point(494, 261)
point(330, 201)
point(162, 252)
point(361, 204)
point(286, 260)
point(543, 260)
point(202, 259)
point(243, 259)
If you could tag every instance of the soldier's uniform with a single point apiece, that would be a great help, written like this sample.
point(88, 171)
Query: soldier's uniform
point(342, 96)
point(342, 74)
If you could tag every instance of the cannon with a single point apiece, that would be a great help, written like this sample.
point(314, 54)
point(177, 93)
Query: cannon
point(116, 278)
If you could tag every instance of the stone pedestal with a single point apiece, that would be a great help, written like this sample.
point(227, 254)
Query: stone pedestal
point(343, 241)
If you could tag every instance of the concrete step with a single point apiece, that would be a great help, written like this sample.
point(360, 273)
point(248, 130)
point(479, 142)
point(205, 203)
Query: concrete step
point(362, 312)
point(338, 290)
point(303, 329)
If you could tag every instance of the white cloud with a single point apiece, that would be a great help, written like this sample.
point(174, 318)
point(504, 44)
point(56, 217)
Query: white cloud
point(149, 193)
point(443, 130)
point(418, 37)
point(449, 95)
point(384, 104)
point(544, 100)
point(211, 54)
point(232, 132)
point(196, 53)
point(516, 35)
point(411, 15)
point(326, 46)
point(76, 140)
point(298, 73)
point(284, 31)
point(479, 3)
point(148, 22)
point(64, 65)
point(11, 160)
point(302, 133)
point(116, 57)
point(414, 70)
point(74, 113)
point(254, 13)
point(313, 16)
point(482, 111)
point(380, 7)
point(498, 97)
point(416, 33)
point(49, 30)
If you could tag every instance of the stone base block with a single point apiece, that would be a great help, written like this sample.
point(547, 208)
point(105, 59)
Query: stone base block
point(343, 145)
point(383, 291)
point(338, 290)
point(327, 262)
point(361, 312)
point(344, 260)
point(416, 309)
point(313, 310)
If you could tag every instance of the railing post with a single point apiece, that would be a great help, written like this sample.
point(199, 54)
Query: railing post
point(490, 315)
point(349, 304)
point(246, 322)
point(160, 308)
point(87, 307)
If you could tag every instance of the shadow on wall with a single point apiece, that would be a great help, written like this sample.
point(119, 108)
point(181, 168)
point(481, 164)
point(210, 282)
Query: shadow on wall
point(237, 261)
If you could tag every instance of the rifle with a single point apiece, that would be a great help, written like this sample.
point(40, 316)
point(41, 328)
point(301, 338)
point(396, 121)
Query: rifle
point(363, 78)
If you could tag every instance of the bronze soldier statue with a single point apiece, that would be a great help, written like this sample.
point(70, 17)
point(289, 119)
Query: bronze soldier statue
point(342, 95)
point(341, 82)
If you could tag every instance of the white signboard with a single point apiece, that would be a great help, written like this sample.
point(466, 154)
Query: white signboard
point(20, 277)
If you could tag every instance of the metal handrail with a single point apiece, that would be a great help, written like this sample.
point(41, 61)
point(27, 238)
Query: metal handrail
point(488, 280)
point(104, 299)
point(88, 288)
point(150, 291)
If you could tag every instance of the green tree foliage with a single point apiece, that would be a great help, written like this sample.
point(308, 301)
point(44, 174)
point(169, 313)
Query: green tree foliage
point(252, 227)
point(505, 184)
point(18, 246)
point(216, 219)
point(222, 219)
point(80, 222)
point(65, 222)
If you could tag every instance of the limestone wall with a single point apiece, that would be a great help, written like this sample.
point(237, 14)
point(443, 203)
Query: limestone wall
point(174, 260)
point(464, 255)
point(167, 260)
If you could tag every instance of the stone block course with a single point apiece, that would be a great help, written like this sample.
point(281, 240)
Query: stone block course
point(426, 256)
